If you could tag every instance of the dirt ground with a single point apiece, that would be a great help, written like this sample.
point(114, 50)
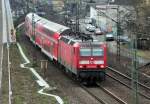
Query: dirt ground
point(5, 78)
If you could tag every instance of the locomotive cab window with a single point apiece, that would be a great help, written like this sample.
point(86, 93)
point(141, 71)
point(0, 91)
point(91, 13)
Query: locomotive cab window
point(85, 52)
point(97, 52)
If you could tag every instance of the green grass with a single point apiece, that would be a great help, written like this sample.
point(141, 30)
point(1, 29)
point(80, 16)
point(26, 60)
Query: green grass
point(19, 31)
point(145, 54)
point(23, 83)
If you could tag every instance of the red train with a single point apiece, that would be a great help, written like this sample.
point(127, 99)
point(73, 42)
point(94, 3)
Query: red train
point(85, 59)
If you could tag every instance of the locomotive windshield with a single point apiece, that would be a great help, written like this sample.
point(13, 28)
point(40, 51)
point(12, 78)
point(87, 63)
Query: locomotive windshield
point(97, 52)
point(85, 52)
point(91, 52)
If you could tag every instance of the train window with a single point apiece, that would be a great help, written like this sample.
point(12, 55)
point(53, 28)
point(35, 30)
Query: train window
point(47, 31)
point(85, 52)
point(97, 52)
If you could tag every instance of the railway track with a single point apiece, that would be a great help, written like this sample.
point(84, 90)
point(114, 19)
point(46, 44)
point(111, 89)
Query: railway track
point(147, 64)
point(108, 93)
point(128, 83)
point(147, 67)
point(93, 95)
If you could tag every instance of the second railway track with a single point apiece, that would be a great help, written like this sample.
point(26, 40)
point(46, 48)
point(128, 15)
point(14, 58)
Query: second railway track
point(126, 81)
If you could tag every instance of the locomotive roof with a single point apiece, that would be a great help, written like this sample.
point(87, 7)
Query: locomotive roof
point(55, 27)
point(72, 40)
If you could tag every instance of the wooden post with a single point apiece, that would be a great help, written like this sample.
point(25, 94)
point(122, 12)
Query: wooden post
point(44, 67)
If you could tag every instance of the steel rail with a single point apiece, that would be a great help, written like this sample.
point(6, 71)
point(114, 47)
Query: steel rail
point(111, 94)
point(145, 65)
point(94, 96)
point(104, 90)
point(127, 77)
point(147, 97)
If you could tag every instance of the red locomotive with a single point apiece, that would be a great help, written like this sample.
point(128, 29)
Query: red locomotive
point(86, 59)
